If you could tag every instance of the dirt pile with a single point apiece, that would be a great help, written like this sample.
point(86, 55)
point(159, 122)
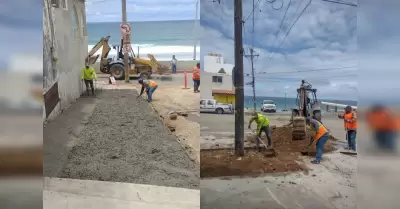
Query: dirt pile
point(218, 163)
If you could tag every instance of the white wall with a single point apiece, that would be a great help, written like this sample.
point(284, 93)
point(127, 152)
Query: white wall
point(212, 65)
point(69, 40)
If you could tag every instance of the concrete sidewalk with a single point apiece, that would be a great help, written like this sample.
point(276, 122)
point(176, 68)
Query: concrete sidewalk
point(74, 193)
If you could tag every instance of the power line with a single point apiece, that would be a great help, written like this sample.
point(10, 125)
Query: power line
point(255, 6)
point(341, 2)
point(313, 70)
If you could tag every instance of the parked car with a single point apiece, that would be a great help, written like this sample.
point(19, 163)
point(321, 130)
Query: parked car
point(212, 106)
point(268, 106)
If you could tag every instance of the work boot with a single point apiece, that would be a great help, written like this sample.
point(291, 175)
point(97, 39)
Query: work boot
point(87, 91)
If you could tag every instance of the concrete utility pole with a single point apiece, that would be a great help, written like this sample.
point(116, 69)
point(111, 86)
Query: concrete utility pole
point(195, 30)
point(127, 41)
point(239, 91)
point(253, 82)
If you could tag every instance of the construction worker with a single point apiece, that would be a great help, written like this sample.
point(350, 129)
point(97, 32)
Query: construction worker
point(350, 125)
point(262, 125)
point(385, 126)
point(196, 78)
point(87, 75)
point(320, 138)
point(173, 64)
point(148, 85)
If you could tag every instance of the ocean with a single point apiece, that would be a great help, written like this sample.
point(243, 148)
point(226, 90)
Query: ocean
point(281, 102)
point(160, 38)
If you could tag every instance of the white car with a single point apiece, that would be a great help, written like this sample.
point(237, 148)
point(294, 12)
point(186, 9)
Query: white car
point(268, 106)
point(212, 106)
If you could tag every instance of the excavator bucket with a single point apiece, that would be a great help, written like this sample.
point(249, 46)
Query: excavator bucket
point(156, 66)
point(299, 130)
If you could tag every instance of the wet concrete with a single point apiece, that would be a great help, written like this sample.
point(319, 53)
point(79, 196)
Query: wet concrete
point(116, 137)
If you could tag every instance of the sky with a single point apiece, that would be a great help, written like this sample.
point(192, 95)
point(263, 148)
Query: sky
point(148, 10)
point(323, 41)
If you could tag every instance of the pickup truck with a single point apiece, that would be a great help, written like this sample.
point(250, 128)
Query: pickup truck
point(212, 106)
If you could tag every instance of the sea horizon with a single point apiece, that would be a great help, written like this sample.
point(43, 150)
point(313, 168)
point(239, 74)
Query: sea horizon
point(160, 38)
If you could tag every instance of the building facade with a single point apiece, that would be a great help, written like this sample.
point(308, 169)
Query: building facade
point(216, 79)
point(65, 44)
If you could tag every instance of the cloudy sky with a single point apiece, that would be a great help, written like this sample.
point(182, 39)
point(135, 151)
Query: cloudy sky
point(148, 10)
point(21, 29)
point(323, 42)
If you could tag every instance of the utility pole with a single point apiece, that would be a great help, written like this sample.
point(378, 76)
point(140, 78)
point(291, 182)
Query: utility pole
point(253, 82)
point(195, 30)
point(127, 43)
point(252, 55)
point(239, 91)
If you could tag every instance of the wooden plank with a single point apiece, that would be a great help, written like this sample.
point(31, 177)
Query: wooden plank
point(51, 99)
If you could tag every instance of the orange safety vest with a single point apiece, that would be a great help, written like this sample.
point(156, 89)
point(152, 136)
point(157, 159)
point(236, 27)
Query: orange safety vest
point(350, 125)
point(383, 121)
point(320, 132)
point(196, 74)
point(152, 84)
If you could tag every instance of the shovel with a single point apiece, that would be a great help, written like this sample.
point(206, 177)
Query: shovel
point(269, 152)
point(305, 150)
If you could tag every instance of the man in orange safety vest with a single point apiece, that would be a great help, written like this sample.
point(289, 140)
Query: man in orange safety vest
point(320, 138)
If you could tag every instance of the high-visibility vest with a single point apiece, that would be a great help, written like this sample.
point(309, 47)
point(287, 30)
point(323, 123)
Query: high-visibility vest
point(383, 121)
point(350, 125)
point(321, 131)
point(196, 74)
point(152, 84)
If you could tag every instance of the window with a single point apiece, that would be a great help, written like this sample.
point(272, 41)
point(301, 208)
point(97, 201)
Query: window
point(63, 4)
point(55, 3)
point(210, 102)
point(202, 102)
point(217, 79)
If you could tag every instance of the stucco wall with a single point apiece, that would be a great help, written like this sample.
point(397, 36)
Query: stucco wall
point(207, 85)
point(70, 49)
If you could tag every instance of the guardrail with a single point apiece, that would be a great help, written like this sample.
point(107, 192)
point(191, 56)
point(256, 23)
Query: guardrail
point(334, 107)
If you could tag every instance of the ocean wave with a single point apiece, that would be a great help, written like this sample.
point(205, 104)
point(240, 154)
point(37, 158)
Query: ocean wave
point(162, 53)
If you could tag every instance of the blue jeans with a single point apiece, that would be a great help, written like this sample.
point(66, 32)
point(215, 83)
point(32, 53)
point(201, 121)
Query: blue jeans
point(150, 93)
point(320, 146)
point(196, 84)
point(386, 140)
point(351, 139)
point(174, 68)
point(267, 132)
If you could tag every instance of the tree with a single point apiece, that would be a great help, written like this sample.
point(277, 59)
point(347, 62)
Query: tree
point(222, 71)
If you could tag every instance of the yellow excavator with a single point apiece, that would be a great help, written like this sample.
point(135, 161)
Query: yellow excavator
point(115, 65)
point(307, 105)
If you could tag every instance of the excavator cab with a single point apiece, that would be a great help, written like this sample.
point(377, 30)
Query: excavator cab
point(307, 105)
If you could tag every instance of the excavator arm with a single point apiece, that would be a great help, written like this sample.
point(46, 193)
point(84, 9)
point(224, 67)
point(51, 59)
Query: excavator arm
point(91, 59)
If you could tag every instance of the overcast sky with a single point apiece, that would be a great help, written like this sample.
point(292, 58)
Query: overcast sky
point(144, 10)
point(324, 37)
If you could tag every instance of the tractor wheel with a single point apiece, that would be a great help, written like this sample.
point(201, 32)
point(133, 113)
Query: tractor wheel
point(118, 71)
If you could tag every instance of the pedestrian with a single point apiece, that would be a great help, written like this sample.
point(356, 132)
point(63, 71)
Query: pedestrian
point(173, 64)
point(88, 74)
point(385, 126)
point(262, 126)
point(148, 85)
point(350, 126)
point(196, 78)
point(320, 138)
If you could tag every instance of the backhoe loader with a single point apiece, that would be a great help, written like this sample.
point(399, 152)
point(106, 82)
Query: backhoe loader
point(115, 65)
point(307, 105)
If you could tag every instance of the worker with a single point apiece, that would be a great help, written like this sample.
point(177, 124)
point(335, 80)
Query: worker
point(262, 125)
point(88, 75)
point(196, 78)
point(350, 126)
point(173, 64)
point(148, 85)
point(385, 126)
point(320, 138)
